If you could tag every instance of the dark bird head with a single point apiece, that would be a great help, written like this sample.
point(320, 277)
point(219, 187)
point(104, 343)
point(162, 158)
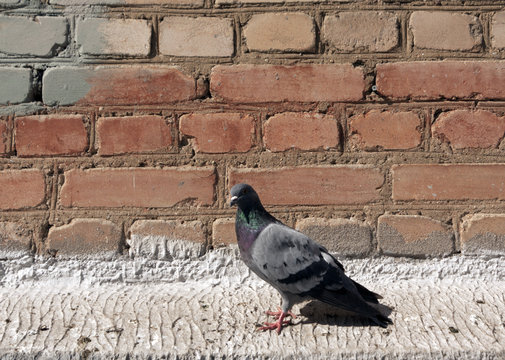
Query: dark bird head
point(244, 196)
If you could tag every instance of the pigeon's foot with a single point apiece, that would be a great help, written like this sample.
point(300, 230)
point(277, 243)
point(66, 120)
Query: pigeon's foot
point(279, 316)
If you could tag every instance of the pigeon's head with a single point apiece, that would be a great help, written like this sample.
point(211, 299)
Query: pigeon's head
point(244, 196)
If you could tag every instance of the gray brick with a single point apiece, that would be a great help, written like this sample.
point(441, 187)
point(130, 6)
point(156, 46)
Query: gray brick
point(42, 36)
point(65, 85)
point(340, 236)
point(15, 85)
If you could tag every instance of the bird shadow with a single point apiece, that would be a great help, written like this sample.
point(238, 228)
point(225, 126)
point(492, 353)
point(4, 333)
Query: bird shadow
point(318, 312)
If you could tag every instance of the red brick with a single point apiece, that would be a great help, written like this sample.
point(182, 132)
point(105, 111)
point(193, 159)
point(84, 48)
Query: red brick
point(341, 236)
point(304, 131)
point(449, 182)
point(144, 187)
point(21, 188)
point(424, 80)
point(223, 232)
point(15, 239)
point(312, 185)
point(367, 31)
point(59, 134)
point(85, 237)
point(483, 234)
point(276, 83)
point(442, 30)
point(386, 130)
point(469, 129)
point(4, 138)
point(219, 132)
point(133, 134)
point(167, 239)
point(117, 85)
point(414, 235)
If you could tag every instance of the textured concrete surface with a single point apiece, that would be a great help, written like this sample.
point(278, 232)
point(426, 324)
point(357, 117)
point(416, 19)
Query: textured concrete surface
point(452, 308)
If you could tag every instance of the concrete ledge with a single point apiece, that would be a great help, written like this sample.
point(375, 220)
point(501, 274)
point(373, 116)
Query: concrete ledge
point(452, 308)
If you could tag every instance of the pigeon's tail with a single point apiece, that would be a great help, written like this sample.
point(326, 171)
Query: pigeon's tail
point(381, 320)
point(368, 295)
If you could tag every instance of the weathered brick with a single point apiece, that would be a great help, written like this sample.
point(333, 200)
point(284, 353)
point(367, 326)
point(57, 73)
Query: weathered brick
point(9, 3)
point(414, 235)
point(219, 132)
point(498, 30)
point(15, 85)
point(96, 237)
point(141, 187)
point(368, 31)
point(133, 134)
point(312, 185)
point(39, 36)
point(58, 134)
point(15, 239)
point(166, 239)
point(449, 182)
point(443, 30)
point(291, 31)
point(261, 2)
point(21, 188)
point(469, 129)
point(483, 234)
point(4, 135)
point(103, 36)
point(340, 236)
point(276, 83)
point(116, 85)
point(304, 131)
point(385, 130)
point(202, 36)
point(424, 80)
point(192, 3)
point(223, 232)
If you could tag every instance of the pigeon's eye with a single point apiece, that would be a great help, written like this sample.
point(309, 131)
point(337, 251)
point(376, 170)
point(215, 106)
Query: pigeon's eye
point(244, 191)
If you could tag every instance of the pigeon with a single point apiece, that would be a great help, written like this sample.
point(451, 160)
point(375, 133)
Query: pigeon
point(295, 265)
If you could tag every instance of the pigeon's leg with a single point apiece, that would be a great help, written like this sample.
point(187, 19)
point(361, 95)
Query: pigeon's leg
point(277, 314)
point(276, 325)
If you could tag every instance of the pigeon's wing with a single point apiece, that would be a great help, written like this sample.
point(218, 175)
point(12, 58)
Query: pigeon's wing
point(294, 263)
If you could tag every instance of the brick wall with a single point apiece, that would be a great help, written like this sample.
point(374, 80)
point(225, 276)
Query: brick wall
point(375, 129)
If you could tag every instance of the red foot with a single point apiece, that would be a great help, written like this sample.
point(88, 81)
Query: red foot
point(279, 316)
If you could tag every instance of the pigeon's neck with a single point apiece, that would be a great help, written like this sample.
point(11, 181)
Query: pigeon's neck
point(249, 224)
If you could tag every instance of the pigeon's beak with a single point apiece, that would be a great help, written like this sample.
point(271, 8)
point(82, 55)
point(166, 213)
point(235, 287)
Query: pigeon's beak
point(233, 200)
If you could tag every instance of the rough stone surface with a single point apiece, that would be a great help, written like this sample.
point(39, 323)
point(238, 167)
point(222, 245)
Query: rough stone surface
point(21, 188)
point(144, 309)
point(312, 185)
point(276, 83)
point(166, 239)
point(133, 134)
point(483, 234)
point(85, 237)
point(441, 30)
point(218, 132)
point(368, 31)
point(202, 36)
point(116, 85)
point(292, 32)
point(223, 232)
point(413, 235)
point(424, 80)
point(102, 36)
point(138, 187)
point(498, 30)
point(59, 134)
point(469, 129)
point(386, 130)
point(340, 236)
point(304, 131)
point(15, 239)
point(40, 36)
point(15, 85)
point(448, 182)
